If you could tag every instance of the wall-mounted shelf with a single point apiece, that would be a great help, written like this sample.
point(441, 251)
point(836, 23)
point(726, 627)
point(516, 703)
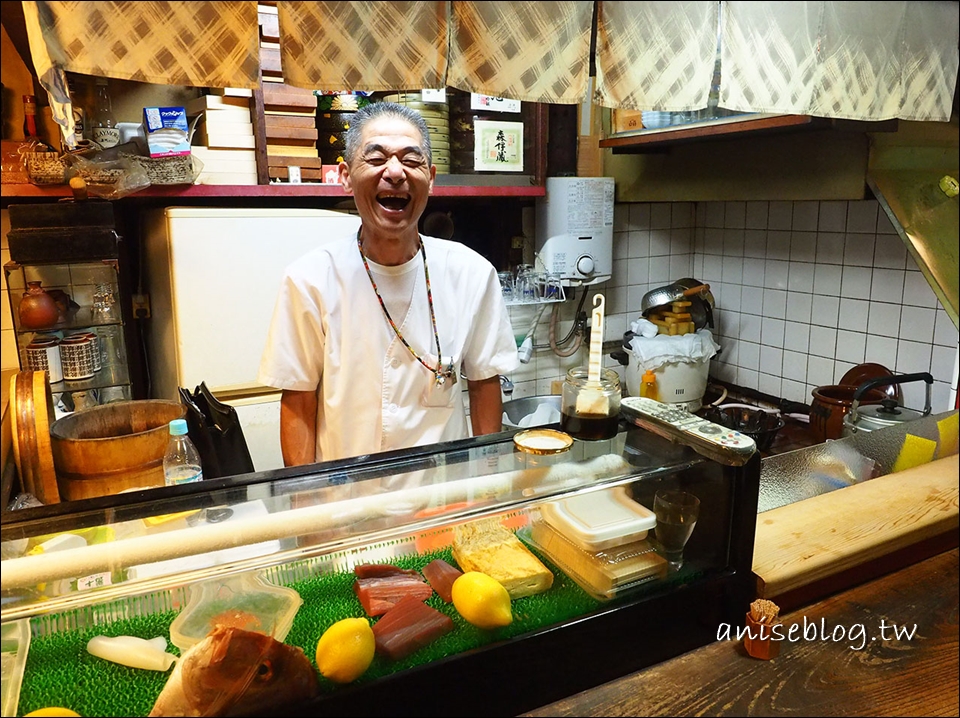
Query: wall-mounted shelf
point(736, 126)
point(335, 191)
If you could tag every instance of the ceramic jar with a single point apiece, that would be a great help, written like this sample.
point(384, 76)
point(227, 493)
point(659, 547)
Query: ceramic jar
point(37, 310)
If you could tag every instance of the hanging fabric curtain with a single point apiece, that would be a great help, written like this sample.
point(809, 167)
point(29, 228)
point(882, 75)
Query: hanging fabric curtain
point(201, 44)
point(656, 55)
point(529, 51)
point(859, 61)
point(363, 45)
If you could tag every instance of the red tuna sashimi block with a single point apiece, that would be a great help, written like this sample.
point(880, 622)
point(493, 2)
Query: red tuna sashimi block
point(441, 576)
point(379, 570)
point(378, 595)
point(409, 626)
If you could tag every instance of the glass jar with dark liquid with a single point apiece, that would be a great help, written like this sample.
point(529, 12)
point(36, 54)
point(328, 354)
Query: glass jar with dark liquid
point(590, 412)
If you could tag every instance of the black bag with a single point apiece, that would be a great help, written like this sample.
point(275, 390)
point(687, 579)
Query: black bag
point(214, 428)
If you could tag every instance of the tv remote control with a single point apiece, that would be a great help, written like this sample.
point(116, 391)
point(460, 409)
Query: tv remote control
point(712, 440)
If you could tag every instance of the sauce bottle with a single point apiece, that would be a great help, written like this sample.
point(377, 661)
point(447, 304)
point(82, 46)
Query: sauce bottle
point(648, 386)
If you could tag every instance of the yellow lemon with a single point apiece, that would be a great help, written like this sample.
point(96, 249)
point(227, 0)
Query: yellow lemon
point(345, 650)
point(482, 600)
point(52, 711)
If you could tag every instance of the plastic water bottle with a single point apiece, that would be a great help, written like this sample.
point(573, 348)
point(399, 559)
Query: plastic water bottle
point(181, 463)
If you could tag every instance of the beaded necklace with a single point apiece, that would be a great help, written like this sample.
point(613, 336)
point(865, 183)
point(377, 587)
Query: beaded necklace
point(439, 372)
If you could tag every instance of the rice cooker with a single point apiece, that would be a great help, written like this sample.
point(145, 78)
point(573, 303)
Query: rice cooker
point(888, 412)
point(683, 382)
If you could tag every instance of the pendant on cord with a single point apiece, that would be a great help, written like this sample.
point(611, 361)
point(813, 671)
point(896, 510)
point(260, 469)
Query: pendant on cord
point(445, 371)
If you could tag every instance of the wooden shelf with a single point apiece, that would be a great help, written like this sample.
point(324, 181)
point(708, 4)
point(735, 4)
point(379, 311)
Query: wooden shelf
point(736, 126)
point(335, 191)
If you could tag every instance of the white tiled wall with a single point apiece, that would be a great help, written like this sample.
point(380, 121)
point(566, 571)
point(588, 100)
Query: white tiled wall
point(804, 291)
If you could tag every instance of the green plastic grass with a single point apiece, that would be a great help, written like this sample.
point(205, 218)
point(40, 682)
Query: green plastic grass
point(60, 672)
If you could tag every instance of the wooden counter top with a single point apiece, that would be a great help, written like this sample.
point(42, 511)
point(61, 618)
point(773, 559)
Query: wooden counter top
point(810, 548)
point(916, 676)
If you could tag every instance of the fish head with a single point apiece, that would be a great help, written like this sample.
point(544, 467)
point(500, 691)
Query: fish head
point(237, 672)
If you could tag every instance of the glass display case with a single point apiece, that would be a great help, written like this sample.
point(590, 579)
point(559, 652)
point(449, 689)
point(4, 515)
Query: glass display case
point(85, 302)
point(134, 563)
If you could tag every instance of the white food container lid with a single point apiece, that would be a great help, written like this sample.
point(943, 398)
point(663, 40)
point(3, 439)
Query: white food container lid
point(599, 519)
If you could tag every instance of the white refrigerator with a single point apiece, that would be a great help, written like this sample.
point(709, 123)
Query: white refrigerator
point(212, 274)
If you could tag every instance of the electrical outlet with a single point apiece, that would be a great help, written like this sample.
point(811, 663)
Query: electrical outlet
point(141, 306)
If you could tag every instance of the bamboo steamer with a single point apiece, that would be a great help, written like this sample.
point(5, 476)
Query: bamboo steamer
point(112, 448)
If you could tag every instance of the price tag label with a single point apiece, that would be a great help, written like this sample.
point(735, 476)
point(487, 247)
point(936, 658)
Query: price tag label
point(493, 104)
point(96, 580)
point(434, 95)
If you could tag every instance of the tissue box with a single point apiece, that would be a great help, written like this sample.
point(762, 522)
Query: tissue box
point(167, 131)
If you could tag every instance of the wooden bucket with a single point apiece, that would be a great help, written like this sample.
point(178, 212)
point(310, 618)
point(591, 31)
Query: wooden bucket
point(112, 448)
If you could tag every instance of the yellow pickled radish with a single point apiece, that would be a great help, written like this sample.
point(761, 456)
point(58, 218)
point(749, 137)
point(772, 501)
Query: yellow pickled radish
point(482, 600)
point(52, 711)
point(345, 650)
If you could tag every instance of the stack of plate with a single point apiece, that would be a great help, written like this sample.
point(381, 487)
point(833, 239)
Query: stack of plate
point(335, 112)
point(437, 117)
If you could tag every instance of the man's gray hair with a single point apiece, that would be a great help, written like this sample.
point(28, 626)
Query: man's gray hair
point(385, 109)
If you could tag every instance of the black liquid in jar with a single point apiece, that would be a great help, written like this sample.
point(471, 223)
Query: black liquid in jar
point(591, 427)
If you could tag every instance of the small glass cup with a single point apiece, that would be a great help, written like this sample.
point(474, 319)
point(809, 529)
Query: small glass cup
point(588, 412)
point(677, 513)
point(525, 289)
point(506, 285)
point(104, 302)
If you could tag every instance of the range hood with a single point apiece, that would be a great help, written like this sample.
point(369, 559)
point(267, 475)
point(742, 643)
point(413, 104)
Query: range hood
point(905, 173)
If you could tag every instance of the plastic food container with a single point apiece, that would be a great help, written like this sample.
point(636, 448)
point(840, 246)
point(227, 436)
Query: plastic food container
point(245, 601)
point(602, 574)
point(600, 519)
point(15, 645)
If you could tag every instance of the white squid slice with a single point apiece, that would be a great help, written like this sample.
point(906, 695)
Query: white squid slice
point(134, 652)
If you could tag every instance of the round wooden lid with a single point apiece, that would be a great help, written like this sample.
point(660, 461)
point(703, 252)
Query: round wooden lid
point(31, 411)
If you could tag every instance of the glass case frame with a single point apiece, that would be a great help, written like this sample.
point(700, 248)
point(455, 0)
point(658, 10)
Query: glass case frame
point(324, 514)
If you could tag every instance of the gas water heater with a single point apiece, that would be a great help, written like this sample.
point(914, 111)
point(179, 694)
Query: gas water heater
point(574, 229)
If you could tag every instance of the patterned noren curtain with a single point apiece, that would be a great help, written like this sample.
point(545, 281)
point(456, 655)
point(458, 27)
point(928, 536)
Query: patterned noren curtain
point(363, 45)
point(853, 60)
point(656, 55)
point(865, 61)
point(201, 44)
point(529, 51)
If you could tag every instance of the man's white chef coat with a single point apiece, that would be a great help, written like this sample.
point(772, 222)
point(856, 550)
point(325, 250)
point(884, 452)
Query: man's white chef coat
point(329, 334)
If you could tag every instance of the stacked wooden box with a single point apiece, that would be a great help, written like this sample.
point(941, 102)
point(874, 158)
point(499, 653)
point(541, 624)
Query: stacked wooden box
point(289, 112)
point(290, 121)
point(224, 140)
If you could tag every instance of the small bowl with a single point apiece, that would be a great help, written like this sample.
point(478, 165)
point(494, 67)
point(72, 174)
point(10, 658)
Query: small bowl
point(761, 426)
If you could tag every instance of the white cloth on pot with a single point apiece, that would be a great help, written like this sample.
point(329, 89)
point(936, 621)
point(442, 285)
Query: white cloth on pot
point(651, 353)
